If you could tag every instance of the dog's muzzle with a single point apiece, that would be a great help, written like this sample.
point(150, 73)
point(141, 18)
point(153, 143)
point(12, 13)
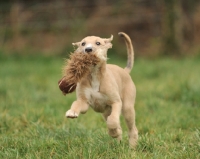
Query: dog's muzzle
point(88, 49)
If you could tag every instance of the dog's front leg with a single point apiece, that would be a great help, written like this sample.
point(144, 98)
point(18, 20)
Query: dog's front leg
point(78, 106)
point(113, 121)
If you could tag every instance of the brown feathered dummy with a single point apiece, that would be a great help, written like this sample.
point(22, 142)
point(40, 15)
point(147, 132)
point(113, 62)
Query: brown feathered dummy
point(76, 67)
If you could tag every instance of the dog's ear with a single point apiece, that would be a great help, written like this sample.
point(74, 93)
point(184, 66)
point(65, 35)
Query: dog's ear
point(108, 41)
point(77, 44)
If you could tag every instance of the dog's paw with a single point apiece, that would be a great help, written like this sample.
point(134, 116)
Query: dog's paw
point(71, 114)
point(115, 133)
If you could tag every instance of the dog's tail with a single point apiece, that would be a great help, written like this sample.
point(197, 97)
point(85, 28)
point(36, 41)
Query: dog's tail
point(130, 51)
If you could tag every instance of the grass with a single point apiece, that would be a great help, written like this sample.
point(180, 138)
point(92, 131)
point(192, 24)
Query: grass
point(32, 109)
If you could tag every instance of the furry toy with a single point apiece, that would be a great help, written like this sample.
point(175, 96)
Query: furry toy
point(76, 67)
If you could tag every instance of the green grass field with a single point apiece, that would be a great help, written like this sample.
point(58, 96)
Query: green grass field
point(33, 123)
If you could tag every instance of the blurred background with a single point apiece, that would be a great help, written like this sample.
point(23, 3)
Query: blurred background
point(36, 36)
point(159, 27)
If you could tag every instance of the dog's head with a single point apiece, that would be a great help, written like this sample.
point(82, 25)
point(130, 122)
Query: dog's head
point(94, 44)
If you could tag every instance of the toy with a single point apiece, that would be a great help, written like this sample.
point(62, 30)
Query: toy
point(76, 67)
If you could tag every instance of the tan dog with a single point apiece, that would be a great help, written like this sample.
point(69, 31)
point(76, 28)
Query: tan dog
point(108, 89)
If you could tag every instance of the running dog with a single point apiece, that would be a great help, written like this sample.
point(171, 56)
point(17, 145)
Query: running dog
point(108, 89)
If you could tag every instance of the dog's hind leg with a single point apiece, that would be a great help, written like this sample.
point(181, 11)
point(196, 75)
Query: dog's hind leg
point(129, 115)
point(111, 115)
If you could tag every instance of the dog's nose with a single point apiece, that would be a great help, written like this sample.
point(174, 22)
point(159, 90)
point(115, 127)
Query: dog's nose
point(88, 49)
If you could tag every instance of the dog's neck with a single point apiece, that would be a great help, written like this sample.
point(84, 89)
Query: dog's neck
point(96, 74)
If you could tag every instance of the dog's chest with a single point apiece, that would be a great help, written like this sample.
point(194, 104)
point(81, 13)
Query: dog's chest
point(95, 83)
point(95, 98)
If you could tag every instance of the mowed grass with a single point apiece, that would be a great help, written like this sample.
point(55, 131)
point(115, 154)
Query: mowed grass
point(33, 123)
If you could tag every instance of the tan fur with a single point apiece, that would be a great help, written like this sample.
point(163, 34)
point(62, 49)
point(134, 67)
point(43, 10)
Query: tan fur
point(108, 89)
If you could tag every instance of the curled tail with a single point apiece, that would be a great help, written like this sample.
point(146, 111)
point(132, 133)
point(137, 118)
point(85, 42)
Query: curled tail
point(130, 51)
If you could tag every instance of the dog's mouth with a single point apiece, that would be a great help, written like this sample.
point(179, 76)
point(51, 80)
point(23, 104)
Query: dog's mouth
point(77, 66)
point(100, 53)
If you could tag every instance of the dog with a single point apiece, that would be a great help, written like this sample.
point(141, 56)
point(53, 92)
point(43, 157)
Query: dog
point(109, 89)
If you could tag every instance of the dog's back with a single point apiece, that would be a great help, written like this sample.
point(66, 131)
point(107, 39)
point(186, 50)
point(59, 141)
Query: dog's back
point(122, 78)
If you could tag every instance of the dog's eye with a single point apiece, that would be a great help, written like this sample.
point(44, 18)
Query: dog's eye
point(98, 43)
point(83, 44)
